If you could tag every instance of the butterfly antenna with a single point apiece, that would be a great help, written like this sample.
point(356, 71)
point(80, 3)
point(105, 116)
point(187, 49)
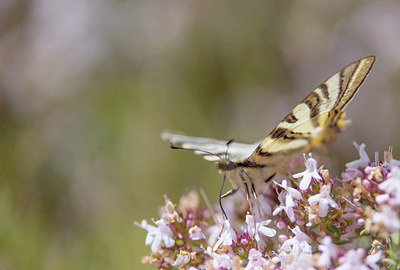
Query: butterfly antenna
point(172, 146)
point(227, 148)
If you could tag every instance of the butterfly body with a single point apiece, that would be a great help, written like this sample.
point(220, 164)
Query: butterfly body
point(249, 173)
point(314, 121)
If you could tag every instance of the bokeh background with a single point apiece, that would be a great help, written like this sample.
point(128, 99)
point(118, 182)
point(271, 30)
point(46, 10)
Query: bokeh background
point(87, 86)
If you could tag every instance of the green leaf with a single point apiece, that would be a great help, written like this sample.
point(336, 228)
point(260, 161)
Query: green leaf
point(389, 261)
point(395, 238)
point(240, 251)
point(333, 230)
point(391, 254)
point(342, 242)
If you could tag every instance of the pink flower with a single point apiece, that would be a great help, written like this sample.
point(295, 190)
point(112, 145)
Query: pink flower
point(392, 185)
point(195, 233)
point(351, 174)
point(168, 212)
point(352, 260)
point(256, 260)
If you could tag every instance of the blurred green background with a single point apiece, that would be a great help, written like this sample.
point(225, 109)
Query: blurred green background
point(87, 86)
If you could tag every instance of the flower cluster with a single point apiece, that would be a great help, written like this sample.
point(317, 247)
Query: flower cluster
point(308, 221)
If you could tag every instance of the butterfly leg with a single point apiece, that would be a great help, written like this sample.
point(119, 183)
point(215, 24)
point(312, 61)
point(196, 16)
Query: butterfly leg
point(250, 205)
point(229, 193)
point(248, 198)
point(253, 189)
point(221, 196)
point(269, 178)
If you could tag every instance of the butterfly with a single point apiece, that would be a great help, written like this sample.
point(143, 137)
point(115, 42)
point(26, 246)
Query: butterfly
point(314, 121)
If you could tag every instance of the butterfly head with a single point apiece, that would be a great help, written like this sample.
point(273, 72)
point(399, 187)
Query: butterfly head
point(227, 165)
point(224, 162)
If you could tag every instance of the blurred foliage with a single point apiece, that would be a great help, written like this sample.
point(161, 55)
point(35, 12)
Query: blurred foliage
point(86, 87)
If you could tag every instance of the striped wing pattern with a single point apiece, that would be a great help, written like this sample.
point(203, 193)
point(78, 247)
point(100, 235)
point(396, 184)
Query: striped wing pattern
point(316, 119)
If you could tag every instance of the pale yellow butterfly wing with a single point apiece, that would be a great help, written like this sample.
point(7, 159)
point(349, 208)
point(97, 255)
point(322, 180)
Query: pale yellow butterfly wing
point(316, 119)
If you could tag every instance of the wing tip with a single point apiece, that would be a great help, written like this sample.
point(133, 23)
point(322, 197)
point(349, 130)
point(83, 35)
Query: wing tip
point(371, 59)
point(166, 135)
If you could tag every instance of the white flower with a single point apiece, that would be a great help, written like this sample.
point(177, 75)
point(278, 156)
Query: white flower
point(287, 204)
point(304, 261)
point(195, 233)
point(352, 260)
point(227, 236)
point(294, 193)
point(214, 230)
point(256, 260)
point(300, 235)
point(382, 198)
point(298, 242)
point(310, 173)
point(328, 252)
point(149, 228)
point(282, 257)
point(157, 235)
point(168, 212)
point(389, 161)
point(299, 249)
point(388, 218)
point(392, 185)
point(351, 174)
point(372, 260)
point(364, 159)
point(259, 230)
point(220, 260)
point(324, 200)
